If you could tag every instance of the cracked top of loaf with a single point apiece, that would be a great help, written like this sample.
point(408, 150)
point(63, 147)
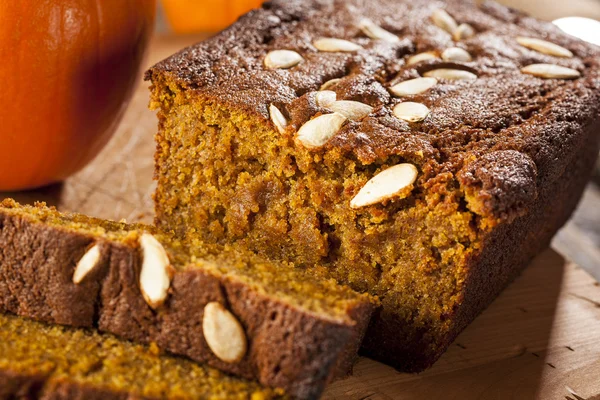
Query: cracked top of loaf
point(493, 88)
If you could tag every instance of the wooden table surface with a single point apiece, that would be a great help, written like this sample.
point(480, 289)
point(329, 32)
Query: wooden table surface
point(539, 340)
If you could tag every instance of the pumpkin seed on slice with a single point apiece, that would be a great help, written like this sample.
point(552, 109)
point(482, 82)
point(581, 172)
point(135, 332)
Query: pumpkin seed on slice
point(330, 84)
point(413, 86)
point(376, 32)
point(353, 110)
point(550, 71)
point(463, 32)
point(544, 47)
point(282, 59)
point(456, 54)
point(444, 20)
point(417, 58)
point(325, 98)
point(316, 132)
point(336, 45)
point(450, 74)
point(278, 118)
point(411, 112)
point(393, 182)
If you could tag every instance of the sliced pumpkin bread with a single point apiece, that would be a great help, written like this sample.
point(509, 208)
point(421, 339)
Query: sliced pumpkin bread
point(228, 308)
point(39, 361)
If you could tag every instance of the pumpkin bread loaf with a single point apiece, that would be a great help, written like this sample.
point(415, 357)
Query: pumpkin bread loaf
point(230, 309)
point(38, 361)
point(421, 151)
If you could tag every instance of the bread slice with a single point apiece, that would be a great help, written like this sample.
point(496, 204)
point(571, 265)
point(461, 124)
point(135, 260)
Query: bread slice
point(228, 308)
point(39, 361)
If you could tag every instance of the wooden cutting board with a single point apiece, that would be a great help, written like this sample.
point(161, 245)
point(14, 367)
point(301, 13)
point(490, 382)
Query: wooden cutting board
point(539, 340)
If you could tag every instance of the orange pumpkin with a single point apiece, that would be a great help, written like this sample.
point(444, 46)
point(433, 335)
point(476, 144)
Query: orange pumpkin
point(68, 69)
point(187, 16)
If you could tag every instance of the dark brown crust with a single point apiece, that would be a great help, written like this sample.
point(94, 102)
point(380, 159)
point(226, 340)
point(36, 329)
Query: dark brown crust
point(20, 387)
point(349, 355)
point(33, 280)
point(34, 386)
point(506, 252)
point(288, 347)
point(466, 119)
point(70, 391)
point(502, 184)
